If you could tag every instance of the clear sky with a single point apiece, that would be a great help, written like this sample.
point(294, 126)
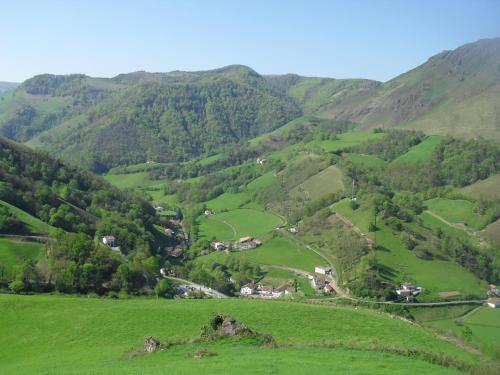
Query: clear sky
point(341, 39)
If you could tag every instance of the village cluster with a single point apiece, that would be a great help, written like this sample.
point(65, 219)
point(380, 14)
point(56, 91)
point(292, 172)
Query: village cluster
point(320, 281)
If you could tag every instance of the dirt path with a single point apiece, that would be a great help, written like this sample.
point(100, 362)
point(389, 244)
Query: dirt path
point(225, 222)
point(333, 278)
point(356, 229)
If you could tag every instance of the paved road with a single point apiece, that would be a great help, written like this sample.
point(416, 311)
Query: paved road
point(420, 304)
point(203, 288)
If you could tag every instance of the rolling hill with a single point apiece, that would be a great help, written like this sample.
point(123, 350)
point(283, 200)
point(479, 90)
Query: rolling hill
point(103, 123)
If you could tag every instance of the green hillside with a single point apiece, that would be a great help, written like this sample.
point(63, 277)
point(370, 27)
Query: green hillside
point(102, 335)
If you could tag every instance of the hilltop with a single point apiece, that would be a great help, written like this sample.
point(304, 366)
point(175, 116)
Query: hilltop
point(103, 123)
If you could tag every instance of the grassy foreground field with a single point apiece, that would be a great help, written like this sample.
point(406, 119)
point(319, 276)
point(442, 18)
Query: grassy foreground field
point(14, 252)
point(86, 335)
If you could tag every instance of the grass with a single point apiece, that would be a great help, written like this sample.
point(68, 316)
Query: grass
point(241, 222)
point(34, 224)
point(344, 141)
point(484, 324)
point(492, 231)
point(14, 252)
point(132, 180)
point(278, 276)
point(87, 335)
point(420, 153)
point(261, 182)
point(488, 188)
point(228, 201)
point(456, 211)
point(368, 161)
point(327, 181)
point(400, 264)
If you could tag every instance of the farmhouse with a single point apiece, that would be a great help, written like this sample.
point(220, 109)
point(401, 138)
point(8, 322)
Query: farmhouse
point(248, 289)
point(208, 212)
point(318, 281)
point(217, 245)
point(265, 290)
point(494, 302)
point(323, 270)
point(409, 291)
point(176, 252)
point(293, 230)
point(281, 291)
point(328, 289)
point(109, 241)
point(245, 239)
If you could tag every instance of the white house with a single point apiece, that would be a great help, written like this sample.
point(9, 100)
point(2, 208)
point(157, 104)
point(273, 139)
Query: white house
point(323, 270)
point(494, 302)
point(208, 212)
point(217, 245)
point(109, 241)
point(409, 291)
point(248, 289)
point(281, 291)
point(293, 230)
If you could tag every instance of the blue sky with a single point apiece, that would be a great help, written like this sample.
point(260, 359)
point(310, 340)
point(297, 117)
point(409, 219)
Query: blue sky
point(341, 39)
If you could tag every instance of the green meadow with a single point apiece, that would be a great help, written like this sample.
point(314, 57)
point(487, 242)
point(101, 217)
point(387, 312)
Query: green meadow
point(325, 182)
point(132, 180)
point(421, 152)
point(400, 264)
point(489, 188)
point(484, 324)
point(34, 224)
point(13, 252)
point(344, 141)
point(238, 223)
point(456, 211)
point(368, 161)
point(228, 201)
point(72, 335)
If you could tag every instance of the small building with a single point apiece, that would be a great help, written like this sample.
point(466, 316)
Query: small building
point(109, 241)
point(159, 208)
point(217, 245)
point(494, 302)
point(248, 289)
point(168, 232)
point(282, 290)
point(261, 161)
point(293, 230)
point(318, 281)
point(265, 290)
point(208, 212)
point(328, 289)
point(245, 239)
point(409, 291)
point(323, 270)
point(176, 252)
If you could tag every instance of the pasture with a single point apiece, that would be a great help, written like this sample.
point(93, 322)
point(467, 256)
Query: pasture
point(368, 161)
point(329, 180)
point(420, 153)
point(344, 141)
point(239, 222)
point(13, 252)
point(33, 224)
point(228, 201)
point(489, 188)
point(400, 264)
point(456, 211)
point(74, 335)
point(484, 324)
